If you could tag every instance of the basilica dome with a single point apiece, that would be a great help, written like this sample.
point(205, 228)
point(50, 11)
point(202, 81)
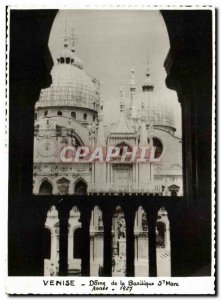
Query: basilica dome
point(71, 85)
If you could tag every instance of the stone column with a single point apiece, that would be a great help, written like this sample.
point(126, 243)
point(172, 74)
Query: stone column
point(63, 213)
point(54, 246)
point(70, 245)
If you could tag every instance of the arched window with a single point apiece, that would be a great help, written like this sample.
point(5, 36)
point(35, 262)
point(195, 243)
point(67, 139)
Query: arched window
point(123, 149)
point(80, 188)
point(73, 115)
point(45, 113)
point(59, 113)
point(85, 116)
point(45, 188)
point(94, 117)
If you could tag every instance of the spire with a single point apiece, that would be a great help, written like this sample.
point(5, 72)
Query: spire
point(143, 134)
point(100, 133)
point(122, 98)
point(148, 85)
point(65, 35)
point(73, 39)
point(132, 87)
point(122, 125)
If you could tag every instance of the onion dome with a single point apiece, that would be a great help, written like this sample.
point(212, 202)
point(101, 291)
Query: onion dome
point(71, 85)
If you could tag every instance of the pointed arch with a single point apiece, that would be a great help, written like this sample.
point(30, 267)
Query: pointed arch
point(80, 186)
point(45, 188)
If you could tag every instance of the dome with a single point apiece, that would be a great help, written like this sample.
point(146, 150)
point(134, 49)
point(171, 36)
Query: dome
point(152, 108)
point(71, 85)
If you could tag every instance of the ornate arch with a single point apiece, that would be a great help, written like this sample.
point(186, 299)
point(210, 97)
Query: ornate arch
point(77, 182)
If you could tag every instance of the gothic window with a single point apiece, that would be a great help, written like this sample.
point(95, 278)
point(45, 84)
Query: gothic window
point(80, 188)
point(73, 115)
point(59, 113)
point(85, 116)
point(45, 188)
point(123, 146)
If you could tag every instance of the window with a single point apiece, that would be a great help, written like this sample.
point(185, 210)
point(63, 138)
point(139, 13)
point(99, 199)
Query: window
point(73, 115)
point(159, 147)
point(45, 188)
point(80, 188)
point(85, 116)
point(45, 113)
point(59, 113)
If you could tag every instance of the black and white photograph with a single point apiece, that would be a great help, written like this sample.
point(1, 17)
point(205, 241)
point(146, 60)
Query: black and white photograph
point(111, 185)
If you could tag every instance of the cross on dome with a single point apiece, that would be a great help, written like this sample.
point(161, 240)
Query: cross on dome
point(73, 39)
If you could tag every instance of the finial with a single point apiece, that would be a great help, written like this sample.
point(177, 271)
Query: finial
point(73, 39)
point(132, 74)
point(65, 35)
point(147, 85)
point(132, 81)
point(122, 97)
point(148, 69)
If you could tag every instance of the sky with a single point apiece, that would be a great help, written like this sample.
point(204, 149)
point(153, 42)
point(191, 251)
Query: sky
point(111, 43)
